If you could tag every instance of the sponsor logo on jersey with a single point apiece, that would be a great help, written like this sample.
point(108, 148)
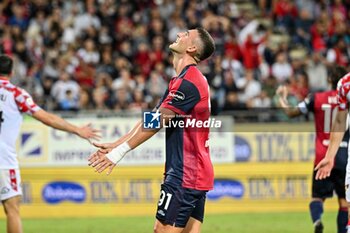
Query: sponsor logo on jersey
point(56, 192)
point(177, 95)
point(226, 188)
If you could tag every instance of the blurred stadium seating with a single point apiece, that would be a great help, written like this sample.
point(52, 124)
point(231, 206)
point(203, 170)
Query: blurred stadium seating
point(112, 55)
point(104, 59)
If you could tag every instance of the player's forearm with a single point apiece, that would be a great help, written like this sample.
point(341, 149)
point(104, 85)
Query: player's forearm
point(335, 140)
point(337, 134)
point(140, 136)
point(61, 124)
point(127, 136)
point(129, 142)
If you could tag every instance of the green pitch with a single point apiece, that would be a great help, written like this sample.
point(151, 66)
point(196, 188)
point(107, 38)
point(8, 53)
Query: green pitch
point(228, 223)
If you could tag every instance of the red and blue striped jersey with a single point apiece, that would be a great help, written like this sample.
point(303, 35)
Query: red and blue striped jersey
point(188, 160)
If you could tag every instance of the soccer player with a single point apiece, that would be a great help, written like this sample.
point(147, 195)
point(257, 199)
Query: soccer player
point(325, 166)
point(13, 102)
point(324, 107)
point(188, 168)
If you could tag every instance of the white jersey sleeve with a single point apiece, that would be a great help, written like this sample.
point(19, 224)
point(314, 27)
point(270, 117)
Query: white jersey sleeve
point(13, 102)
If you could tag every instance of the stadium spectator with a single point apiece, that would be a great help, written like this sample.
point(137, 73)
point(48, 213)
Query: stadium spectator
point(64, 91)
point(281, 69)
point(338, 54)
point(89, 54)
point(302, 28)
point(106, 65)
point(156, 84)
point(300, 85)
point(122, 99)
point(316, 69)
point(112, 35)
point(138, 103)
point(285, 12)
point(248, 86)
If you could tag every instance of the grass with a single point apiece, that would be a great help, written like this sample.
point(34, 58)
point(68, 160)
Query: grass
point(224, 223)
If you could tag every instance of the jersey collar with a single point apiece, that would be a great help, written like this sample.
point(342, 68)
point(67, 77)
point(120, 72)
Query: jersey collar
point(183, 72)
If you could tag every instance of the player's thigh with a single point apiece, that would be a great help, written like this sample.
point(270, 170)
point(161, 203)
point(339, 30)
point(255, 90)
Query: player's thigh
point(11, 205)
point(10, 184)
point(195, 222)
point(193, 226)
point(322, 188)
point(176, 204)
point(160, 227)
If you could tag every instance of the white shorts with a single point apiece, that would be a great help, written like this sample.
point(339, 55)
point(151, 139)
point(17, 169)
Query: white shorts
point(10, 183)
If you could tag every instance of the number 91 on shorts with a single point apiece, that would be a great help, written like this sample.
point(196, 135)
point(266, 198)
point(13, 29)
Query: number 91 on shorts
point(177, 204)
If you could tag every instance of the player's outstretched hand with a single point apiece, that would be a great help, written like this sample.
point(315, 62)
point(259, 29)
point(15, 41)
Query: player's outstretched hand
point(100, 162)
point(108, 156)
point(324, 168)
point(87, 132)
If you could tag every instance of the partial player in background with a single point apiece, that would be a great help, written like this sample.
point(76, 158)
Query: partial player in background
point(188, 168)
point(13, 102)
point(340, 125)
point(324, 107)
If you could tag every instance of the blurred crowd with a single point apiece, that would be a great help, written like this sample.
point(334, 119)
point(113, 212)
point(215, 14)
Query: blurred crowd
point(113, 54)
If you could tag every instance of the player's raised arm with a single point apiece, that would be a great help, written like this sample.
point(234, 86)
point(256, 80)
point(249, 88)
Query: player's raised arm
point(59, 123)
point(338, 129)
point(282, 94)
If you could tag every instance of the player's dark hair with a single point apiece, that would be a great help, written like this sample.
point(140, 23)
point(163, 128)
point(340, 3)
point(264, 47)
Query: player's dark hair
point(6, 64)
point(208, 44)
point(335, 73)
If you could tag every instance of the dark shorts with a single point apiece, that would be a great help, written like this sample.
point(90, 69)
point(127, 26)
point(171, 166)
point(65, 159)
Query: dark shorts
point(177, 204)
point(326, 187)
